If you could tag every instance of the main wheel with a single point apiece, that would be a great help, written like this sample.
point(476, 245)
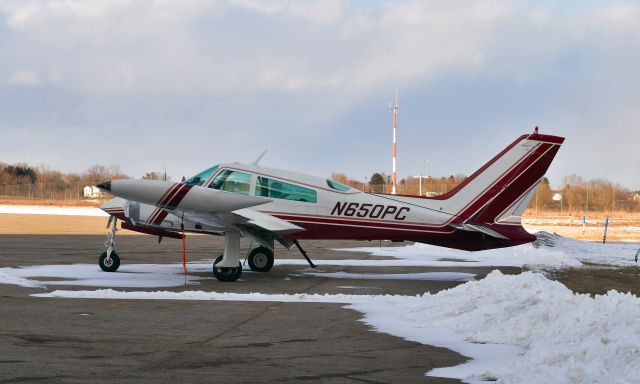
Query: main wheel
point(260, 259)
point(225, 273)
point(110, 265)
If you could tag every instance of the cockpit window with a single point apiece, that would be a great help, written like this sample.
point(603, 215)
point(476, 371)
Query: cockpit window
point(232, 181)
point(335, 185)
point(202, 176)
point(281, 190)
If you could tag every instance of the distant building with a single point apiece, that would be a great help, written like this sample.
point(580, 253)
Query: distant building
point(635, 197)
point(92, 192)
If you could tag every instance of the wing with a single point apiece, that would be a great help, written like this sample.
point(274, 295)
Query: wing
point(260, 227)
point(248, 216)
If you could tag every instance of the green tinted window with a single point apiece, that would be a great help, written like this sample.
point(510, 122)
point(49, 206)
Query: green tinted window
point(232, 181)
point(338, 186)
point(202, 176)
point(279, 190)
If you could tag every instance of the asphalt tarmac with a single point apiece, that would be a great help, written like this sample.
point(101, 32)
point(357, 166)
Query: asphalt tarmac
point(150, 341)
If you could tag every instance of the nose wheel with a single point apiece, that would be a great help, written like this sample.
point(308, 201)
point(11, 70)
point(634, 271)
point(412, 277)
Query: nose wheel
point(226, 274)
point(260, 259)
point(109, 264)
point(109, 261)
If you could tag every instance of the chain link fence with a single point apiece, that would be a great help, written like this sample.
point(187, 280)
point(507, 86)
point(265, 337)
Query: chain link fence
point(55, 193)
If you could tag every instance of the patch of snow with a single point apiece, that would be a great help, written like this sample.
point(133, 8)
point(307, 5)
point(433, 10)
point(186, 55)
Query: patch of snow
point(516, 328)
point(171, 275)
point(52, 210)
point(549, 250)
point(201, 295)
point(9, 278)
point(90, 275)
point(434, 276)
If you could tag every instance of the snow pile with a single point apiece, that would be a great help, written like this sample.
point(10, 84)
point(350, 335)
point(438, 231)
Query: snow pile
point(516, 328)
point(565, 337)
point(550, 250)
point(51, 210)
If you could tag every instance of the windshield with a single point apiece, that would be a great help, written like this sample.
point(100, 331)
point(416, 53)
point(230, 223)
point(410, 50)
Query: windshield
point(202, 176)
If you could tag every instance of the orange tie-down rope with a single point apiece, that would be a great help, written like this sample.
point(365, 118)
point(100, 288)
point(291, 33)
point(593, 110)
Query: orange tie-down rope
point(184, 250)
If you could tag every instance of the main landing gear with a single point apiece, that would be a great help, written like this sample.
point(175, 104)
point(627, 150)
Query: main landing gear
point(109, 261)
point(227, 267)
point(226, 274)
point(260, 259)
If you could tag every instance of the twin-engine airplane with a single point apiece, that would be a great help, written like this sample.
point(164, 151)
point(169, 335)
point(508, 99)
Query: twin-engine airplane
point(267, 205)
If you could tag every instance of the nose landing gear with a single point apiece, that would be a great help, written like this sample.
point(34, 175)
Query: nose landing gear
point(109, 261)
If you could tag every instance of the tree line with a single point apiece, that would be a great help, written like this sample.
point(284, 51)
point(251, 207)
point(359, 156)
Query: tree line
point(24, 181)
point(577, 195)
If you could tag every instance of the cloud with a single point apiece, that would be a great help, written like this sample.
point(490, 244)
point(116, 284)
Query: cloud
point(24, 77)
point(308, 78)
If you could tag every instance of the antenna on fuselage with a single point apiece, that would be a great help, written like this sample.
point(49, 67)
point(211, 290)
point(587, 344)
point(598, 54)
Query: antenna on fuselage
point(256, 161)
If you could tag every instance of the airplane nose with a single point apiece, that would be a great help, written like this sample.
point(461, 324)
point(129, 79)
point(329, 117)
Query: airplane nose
point(106, 186)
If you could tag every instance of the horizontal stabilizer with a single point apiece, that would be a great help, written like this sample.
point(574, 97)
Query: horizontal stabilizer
point(472, 227)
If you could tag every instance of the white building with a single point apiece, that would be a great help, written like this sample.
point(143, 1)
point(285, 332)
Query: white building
point(92, 192)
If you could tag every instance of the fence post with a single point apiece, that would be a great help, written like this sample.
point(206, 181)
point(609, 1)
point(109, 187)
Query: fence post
point(606, 226)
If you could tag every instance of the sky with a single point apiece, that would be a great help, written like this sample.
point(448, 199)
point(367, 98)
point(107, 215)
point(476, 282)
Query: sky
point(188, 84)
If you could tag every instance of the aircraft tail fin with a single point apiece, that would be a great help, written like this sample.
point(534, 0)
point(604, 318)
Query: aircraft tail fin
point(499, 191)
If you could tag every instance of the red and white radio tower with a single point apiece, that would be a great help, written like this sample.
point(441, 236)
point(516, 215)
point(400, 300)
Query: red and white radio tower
point(395, 108)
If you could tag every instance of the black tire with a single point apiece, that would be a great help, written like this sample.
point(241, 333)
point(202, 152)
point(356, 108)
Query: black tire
point(226, 274)
point(260, 259)
point(111, 266)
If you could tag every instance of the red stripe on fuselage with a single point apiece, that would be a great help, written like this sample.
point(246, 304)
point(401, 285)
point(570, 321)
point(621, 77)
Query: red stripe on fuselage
point(179, 195)
point(331, 220)
point(170, 201)
point(167, 195)
point(160, 217)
